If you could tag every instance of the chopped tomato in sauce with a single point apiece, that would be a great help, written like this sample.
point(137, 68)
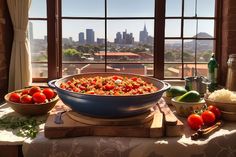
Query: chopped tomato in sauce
point(110, 85)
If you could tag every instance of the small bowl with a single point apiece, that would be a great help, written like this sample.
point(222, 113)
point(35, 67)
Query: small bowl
point(184, 109)
point(227, 107)
point(31, 109)
point(229, 116)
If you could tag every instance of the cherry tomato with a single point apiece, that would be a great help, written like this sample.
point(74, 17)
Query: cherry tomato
point(48, 92)
point(26, 99)
point(215, 110)
point(195, 121)
point(109, 87)
point(15, 97)
point(25, 91)
point(33, 90)
point(134, 78)
point(82, 87)
point(208, 117)
point(39, 97)
point(115, 77)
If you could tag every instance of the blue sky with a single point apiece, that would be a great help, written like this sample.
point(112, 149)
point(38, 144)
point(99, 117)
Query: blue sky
point(120, 8)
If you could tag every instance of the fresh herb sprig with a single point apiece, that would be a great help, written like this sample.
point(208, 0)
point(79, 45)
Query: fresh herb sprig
point(25, 127)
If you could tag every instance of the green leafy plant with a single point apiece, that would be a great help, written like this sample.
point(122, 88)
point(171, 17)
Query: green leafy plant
point(25, 127)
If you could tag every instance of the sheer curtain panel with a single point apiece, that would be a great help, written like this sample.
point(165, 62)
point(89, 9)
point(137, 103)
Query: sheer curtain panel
point(20, 64)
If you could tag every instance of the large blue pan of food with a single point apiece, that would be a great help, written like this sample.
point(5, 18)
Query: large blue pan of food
point(109, 95)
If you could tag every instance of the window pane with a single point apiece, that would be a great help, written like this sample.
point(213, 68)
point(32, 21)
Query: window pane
point(38, 9)
point(83, 8)
point(173, 50)
point(205, 8)
point(173, 28)
point(82, 40)
point(189, 8)
point(130, 41)
point(140, 69)
point(173, 70)
point(189, 51)
point(190, 28)
point(189, 70)
point(37, 33)
point(40, 70)
point(130, 8)
point(205, 28)
point(202, 70)
point(204, 50)
point(173, 7)
point(72, 69)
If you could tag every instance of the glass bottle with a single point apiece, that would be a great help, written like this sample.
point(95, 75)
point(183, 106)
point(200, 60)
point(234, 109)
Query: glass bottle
point(212, 73)
point(231, 75)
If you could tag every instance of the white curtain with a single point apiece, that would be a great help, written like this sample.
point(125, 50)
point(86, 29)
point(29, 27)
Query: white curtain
point(20, 65)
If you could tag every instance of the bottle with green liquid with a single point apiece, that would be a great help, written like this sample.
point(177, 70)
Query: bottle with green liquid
point(212, 73)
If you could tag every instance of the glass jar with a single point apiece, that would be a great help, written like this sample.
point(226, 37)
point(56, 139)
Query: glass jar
point(231, 75)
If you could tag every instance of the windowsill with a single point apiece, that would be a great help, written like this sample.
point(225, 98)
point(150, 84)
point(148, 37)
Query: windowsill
point(175, 82)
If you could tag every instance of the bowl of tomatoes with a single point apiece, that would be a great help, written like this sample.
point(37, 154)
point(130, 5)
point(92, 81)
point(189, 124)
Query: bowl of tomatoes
point(109, 95)
point(32, 101)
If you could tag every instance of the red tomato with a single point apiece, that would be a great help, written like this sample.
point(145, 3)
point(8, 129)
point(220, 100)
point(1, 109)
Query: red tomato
point(109, 87)
point(26, 99)
point(39, 97)
point(76, 89)
point(195, 121)
point(33, 90)
point(208, 117)
point(115, 77)
point(215, 110)
point(25, 91)
point(15, 97)
point(134, 78)
point(82, 87)
point(48, 92)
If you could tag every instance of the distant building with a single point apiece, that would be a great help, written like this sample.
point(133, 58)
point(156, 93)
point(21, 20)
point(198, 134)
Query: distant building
point(45, 38)
point(100, 41)
point(81, 38)
point(118, 39)
point(126, 39)
point(143, 35)
point(89, 36)
point(70, 39)
point(121, 56)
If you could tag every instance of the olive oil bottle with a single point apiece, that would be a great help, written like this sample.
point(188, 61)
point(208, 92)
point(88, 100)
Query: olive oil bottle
point(212, 73)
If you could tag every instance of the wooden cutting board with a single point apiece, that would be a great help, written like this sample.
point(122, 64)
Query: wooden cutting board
point(150, 124)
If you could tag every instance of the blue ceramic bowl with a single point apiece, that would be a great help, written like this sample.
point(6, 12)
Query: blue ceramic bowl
point(109, 106)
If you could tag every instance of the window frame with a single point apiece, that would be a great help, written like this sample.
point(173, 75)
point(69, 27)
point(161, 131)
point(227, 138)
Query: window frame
point(54, 32)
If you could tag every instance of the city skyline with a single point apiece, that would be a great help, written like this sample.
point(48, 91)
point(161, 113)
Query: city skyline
point(88, 36)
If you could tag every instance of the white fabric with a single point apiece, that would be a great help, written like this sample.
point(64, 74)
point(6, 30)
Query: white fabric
point(20, 65)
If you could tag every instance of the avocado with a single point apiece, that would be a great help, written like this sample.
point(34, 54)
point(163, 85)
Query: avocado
point(191, 96)
point(175, 91)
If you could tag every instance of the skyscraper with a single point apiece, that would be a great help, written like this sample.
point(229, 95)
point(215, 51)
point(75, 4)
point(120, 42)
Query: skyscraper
point(118, 39)
point(89, 36)
point(143, 35)
point(126, 39)
point(81, 38)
